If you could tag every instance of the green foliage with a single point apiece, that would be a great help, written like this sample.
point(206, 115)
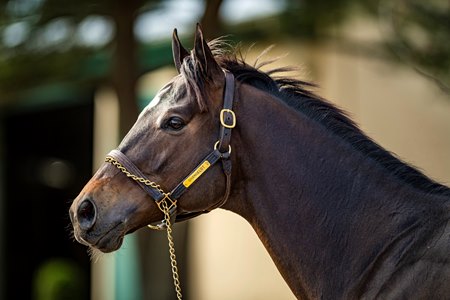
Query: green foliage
point(45, 46)
point(308, 18)
point(415, 32)
point(418, 34)
point(58, 279)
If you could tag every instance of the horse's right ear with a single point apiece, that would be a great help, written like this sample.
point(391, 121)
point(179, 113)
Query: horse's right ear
point(178, 51)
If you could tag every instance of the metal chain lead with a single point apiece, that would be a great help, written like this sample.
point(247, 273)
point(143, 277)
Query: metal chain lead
point(145, 181)
point(165, 208)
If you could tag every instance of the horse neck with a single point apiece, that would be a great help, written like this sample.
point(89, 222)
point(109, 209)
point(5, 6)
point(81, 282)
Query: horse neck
point(315, 201)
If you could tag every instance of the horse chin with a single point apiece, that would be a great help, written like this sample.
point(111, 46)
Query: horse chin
point(113, 239)
point(108, 244)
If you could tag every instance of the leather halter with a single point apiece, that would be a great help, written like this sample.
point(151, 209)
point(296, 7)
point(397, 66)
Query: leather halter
point(221, 151)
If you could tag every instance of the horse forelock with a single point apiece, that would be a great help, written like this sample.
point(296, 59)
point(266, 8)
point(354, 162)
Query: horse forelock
point(193, 82)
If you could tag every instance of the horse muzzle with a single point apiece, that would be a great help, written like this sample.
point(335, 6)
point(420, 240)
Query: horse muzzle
point(87, 231)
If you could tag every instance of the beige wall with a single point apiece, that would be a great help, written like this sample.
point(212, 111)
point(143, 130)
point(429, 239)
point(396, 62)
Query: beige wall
point(397, 107)
point(393, 104)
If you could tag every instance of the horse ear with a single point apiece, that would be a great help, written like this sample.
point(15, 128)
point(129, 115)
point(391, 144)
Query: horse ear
point(178, 51)
point(205, 58)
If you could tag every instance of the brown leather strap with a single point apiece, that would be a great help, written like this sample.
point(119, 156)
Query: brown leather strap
point(225, 163)
point(223, 147)
point(228, 121)
point(211, 158)
point(228, 117)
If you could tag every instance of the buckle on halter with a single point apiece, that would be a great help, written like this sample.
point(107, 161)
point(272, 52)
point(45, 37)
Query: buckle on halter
point(222, 118)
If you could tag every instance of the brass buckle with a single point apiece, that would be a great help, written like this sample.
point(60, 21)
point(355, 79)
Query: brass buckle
point(222, 118)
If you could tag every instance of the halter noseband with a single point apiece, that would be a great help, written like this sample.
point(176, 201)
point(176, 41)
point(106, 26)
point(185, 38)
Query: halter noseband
point(221, 151)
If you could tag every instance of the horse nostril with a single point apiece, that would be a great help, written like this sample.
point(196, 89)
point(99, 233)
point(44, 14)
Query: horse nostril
point(86, 214)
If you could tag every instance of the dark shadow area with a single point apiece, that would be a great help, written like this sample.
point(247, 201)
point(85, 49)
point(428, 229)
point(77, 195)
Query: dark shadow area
point(47, 161)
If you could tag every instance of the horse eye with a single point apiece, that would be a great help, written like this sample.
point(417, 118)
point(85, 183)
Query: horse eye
point(174, 123)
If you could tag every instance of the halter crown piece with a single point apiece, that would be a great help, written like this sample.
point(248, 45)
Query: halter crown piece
point(167, 201)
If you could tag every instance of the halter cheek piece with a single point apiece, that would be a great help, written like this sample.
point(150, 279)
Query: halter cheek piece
point(221, 151)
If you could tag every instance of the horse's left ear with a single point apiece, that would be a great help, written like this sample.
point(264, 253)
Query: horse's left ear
point(205, 58)
point(178, 51)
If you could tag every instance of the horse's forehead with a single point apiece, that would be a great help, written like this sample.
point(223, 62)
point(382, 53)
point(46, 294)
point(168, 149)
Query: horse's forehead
point(168, 94)
point(162, 93)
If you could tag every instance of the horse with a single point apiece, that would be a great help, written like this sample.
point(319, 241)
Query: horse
point(341, 217)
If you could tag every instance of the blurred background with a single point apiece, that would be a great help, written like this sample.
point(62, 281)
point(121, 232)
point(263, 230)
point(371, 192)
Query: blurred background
point(75, 74)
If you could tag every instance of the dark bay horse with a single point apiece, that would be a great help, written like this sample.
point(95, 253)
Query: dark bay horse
point(341, 217)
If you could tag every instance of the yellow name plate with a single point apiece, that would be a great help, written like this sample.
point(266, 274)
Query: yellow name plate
point(196, 174)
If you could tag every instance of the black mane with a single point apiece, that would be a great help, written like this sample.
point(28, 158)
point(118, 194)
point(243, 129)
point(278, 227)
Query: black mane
point(298, 94)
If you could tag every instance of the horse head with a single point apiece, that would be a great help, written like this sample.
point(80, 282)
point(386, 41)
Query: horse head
point(169, 139)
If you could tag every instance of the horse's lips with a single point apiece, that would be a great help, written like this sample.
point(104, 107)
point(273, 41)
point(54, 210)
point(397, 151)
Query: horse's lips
point(110, 241)
point(81, 240)
point(109, 245)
